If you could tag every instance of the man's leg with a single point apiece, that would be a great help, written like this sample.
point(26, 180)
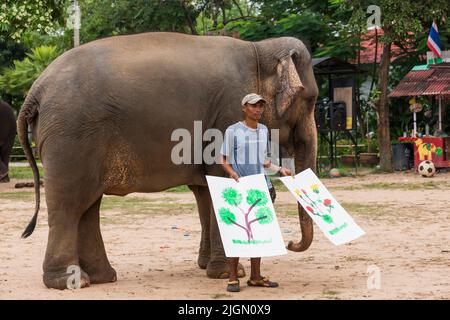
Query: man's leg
point(233, 282)
point(256, 280)
point(255, 273)
point(234, 262)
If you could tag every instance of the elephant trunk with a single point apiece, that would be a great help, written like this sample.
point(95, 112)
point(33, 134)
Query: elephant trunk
point(306, 223)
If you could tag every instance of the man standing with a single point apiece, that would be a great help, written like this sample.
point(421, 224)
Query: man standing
point(245, 152)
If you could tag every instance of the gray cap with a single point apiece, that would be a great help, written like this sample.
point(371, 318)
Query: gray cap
point(252, 98)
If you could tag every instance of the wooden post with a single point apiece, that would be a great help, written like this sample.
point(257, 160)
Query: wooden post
point(415, 125)
point(440, 113)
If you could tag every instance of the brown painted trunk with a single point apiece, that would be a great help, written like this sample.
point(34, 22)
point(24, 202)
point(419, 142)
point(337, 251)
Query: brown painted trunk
point(384, 138)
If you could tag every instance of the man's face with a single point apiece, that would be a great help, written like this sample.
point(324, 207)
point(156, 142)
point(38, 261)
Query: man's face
point(254, 111)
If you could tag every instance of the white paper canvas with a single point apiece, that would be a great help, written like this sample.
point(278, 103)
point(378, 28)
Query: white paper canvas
point(246, 217)
point(337, 225)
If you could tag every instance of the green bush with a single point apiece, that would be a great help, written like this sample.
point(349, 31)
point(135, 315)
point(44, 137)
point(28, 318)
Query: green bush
point(18, 79)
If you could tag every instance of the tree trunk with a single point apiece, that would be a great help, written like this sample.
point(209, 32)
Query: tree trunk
point(191, 23)
point(384, 139)
point(224, 14)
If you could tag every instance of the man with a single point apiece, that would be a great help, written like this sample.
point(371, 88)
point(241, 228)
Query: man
point(244, 152)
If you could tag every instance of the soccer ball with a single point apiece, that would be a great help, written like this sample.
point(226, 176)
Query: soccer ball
point(426, 169)
point(334, 173)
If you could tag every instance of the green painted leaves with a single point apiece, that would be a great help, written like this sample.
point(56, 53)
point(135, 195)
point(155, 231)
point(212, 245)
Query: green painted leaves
point(327, 218)
point(264, 215)
point(254, 195)
point(232, 196)
point(227, 216)
point(256, 199)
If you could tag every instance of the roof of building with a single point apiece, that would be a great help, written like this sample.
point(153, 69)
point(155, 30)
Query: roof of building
point(432, 81)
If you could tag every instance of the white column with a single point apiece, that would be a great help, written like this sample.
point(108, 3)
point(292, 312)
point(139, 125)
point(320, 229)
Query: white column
point(415, 125)
point(76, 23)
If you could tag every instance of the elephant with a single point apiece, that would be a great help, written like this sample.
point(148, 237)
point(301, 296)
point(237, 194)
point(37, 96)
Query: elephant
point(102, 115)
point(7, 136)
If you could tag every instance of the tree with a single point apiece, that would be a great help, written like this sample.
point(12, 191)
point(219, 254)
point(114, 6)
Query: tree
point(20, 22)
point(18, 16)
point(17, 80)
point(255, 199)
point(103, 18)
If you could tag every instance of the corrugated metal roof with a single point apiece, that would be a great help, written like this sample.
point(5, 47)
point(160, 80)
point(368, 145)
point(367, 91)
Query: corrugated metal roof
point(435, 81)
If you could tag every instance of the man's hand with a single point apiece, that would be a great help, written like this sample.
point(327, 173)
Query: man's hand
point(234, 175)
point(285, 172)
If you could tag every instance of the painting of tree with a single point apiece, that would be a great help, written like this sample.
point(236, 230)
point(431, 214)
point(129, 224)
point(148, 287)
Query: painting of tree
point(237, 216)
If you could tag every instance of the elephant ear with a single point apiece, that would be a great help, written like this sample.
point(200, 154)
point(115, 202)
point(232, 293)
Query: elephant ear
point(289, 85)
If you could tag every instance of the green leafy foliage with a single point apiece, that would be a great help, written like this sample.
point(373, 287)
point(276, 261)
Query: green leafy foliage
point(254, 194)
point(265, 215)
point(102, 18)
point(18, 79)
point(227, 216)
point(232, 196)
point(17, 16)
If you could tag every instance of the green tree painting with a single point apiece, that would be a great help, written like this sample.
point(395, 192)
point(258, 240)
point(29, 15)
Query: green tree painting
point(257, 212)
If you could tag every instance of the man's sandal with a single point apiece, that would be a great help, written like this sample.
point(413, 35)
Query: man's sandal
point(263, 282)
point(233, 286)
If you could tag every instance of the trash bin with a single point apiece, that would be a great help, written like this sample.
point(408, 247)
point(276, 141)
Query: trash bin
point(401, 156)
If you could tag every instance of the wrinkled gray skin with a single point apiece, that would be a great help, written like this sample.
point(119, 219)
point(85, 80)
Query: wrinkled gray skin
point(103, 115)
point(7, 135)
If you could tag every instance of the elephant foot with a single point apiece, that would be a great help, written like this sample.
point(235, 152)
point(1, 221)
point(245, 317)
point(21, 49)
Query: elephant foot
point(4, 179)
point(202, 261)
point(104, 276)
point(221, 270)
point(72, 279)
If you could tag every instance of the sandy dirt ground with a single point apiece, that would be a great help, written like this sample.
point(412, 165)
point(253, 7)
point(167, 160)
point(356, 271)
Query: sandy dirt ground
point(406, 219)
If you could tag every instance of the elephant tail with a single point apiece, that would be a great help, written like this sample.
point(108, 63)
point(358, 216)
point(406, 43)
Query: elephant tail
point(27, 114)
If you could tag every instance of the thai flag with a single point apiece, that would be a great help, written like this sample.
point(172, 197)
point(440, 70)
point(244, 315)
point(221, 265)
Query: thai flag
point(433, 40)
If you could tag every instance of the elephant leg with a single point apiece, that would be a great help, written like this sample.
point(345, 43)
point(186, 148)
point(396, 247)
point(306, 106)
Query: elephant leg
point(4, 160)
point(91, 250)
point(203, 200)
point(3, 171)
point(69, 195)
point(62, 253)
point(211, 254)
point(218, 267)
